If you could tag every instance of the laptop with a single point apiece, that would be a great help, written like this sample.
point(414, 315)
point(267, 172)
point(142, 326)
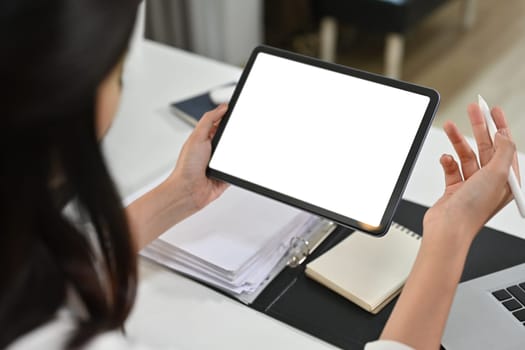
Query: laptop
point(488, 312)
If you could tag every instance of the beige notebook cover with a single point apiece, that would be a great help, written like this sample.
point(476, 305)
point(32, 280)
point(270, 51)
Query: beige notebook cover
point(368, 271)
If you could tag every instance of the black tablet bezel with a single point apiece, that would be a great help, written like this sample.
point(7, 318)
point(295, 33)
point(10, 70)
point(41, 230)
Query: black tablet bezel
point(407, 166)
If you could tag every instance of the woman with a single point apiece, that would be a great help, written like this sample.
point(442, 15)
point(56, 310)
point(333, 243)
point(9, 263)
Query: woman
point(69, 271)
point(61, 66)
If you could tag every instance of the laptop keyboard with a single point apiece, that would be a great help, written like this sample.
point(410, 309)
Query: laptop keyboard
point(513, 298)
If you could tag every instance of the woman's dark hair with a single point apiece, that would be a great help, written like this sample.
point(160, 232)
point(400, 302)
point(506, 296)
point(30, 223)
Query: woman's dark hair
point(53, 57)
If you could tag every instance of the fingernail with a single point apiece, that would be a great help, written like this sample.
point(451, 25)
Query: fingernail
point(447, 158)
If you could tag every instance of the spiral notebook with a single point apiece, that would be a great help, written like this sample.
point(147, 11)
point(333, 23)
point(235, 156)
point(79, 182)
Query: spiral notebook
point(368, 271)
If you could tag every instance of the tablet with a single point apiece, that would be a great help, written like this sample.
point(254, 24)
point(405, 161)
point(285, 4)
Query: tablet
point(331, 140)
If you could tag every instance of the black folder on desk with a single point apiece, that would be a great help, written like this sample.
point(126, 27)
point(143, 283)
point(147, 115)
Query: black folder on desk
point(300, 302)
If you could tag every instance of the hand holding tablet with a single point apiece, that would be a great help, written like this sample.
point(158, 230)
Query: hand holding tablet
point(331, 140)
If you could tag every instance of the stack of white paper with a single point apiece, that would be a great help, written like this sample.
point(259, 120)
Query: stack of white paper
point(238, 243)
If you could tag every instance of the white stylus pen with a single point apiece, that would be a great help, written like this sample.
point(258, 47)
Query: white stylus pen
point(513, 181)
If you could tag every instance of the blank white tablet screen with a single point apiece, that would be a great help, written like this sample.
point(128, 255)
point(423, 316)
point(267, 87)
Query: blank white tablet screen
point(322, 137)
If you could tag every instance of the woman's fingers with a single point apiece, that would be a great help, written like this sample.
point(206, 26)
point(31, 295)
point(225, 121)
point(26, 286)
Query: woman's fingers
point(499, 120)
point(208, 123)
point(503, 155)
point(501, 124)
point(481, 133)
point(467, 157)
point(451, 170)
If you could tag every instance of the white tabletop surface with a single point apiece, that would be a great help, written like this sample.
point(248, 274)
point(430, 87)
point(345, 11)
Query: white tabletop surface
point(143, 144)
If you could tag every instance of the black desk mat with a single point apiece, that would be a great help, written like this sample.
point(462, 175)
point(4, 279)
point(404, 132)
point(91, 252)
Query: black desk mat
point(294, 299)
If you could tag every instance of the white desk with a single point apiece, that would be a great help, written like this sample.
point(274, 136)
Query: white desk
point(144, 142)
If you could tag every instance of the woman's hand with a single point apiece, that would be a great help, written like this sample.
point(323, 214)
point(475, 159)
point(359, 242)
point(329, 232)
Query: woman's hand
point(190, 172)
point(474, 191)
point(184, 192)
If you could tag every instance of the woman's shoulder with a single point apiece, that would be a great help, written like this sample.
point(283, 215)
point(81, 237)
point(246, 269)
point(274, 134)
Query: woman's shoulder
point(55, 333)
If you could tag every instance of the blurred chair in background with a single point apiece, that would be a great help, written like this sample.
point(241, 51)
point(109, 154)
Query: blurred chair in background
point(394, 18)
point(286, 21)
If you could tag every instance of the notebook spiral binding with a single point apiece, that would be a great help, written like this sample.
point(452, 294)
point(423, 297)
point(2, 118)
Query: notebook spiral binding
point(301, 247)
point(405, 230)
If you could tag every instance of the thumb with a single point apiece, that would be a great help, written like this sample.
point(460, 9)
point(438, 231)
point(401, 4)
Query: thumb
point(451, 170)
point(505, 151)
point(208, 121)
